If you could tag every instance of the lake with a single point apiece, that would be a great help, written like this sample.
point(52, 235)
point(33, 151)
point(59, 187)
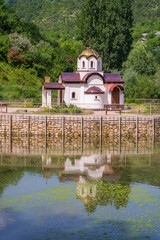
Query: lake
point(97, 193)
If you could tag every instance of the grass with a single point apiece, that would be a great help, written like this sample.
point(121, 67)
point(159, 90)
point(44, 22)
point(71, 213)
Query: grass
point(63, 109)
point(142, 109)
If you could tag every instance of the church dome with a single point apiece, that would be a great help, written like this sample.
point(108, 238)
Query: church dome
point(88, 53)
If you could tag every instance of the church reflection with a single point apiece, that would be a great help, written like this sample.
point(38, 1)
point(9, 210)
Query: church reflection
point(97, 181)
point(101, 178)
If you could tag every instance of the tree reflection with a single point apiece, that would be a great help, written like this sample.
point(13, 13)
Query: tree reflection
point(9, 176)
point(103, 193)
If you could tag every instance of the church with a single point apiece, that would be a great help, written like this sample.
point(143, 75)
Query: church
point(89, 87)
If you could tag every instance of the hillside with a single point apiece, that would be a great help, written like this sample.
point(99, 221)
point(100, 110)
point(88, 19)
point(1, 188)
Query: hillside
point(54, 18)
point(26, 56)
point(44, 40)
point(57, 18)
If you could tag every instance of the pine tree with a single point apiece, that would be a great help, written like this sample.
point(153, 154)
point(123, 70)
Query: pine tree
point(106, 25)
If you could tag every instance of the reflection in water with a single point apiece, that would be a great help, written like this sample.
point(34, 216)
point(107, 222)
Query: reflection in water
point(77, 146)
point(93, 166)
point(99, 193)
point(97, 182)
point(5, 220)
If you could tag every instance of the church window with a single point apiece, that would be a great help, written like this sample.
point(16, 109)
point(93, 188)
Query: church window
point(91, 64)
point(73, 95)
point(83, 64)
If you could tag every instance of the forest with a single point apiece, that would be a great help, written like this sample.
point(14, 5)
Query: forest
point(44, 37)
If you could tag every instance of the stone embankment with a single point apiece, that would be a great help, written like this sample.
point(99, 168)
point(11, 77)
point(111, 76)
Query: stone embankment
point(58, 127)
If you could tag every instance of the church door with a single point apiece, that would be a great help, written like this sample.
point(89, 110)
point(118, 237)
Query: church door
point(115, 96)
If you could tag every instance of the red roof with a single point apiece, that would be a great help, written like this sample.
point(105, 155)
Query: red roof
point(75, 77)
point(94, 90)
point(113, 78)
point(56, 86)
point(70, 77)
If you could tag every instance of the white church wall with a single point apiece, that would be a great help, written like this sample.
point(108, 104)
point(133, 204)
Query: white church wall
point(93, 101)
point(88, 101)
point(72, 88)
point(96, 81)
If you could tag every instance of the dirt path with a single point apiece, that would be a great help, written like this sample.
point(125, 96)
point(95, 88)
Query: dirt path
point(95, 113)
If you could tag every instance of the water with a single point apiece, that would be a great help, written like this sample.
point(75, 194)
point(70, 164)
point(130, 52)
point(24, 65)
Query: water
point(99, 195)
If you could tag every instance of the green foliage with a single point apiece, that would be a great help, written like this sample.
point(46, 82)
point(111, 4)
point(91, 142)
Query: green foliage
point(20, 42)
point(139, 74)
point(27, 52)
point(144, 87)
point(55, 19)
point(140, 60)
point(54, 48)
point(4, 47)
point(107, 193)
point(109, 33)
point(8, 176)
point(146, 16)
point(19, 83)
point(62, 109)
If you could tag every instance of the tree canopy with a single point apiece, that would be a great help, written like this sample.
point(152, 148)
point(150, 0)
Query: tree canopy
point(107, 27)
point(43, 38)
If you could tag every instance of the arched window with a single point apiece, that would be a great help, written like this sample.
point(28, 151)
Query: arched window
point(83, 64)
point(73, 95)
point(91, 64)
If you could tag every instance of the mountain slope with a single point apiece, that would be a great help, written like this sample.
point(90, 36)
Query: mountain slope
point(58, 18)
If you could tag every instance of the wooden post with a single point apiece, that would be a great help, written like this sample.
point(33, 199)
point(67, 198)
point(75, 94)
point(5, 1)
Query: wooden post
point(46, 134)
point(28, 133)
point(120, 126)
point(81, 134)
point(10, 132)
point(63, 125)
point(153, 129)
point(63, 134)
point(153, 142)
point(10, 125)
point(137, 133)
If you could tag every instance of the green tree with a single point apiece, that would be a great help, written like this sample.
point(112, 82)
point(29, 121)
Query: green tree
point(4, 47)
point(20, 42)
point(107, 26)
point(140, 60)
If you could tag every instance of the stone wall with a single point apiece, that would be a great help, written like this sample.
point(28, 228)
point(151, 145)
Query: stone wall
point(86, 127)
point(76, 146)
